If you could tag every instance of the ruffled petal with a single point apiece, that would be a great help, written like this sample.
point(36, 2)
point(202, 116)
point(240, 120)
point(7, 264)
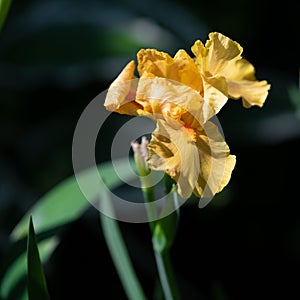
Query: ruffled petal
point(220, 62)
point(154, 62)
point(242, 83)
point(203, 167)
point(170, 152)
point(218, 53)
point(185, 71)
point(251, 92)
point(182, 68)
point(164, 98)
point(215, 95)
point(239, 70)
point(216, 162)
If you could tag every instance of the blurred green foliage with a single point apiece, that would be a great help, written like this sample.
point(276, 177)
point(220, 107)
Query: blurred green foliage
point(4, 9)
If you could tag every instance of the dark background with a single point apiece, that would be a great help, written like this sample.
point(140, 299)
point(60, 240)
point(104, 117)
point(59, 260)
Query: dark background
point(56, 56)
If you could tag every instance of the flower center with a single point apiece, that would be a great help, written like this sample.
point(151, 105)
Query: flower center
point(190, 132)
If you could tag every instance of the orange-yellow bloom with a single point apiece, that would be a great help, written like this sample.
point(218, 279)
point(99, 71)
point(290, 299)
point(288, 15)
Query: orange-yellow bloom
point(192, 152)
point(181, 94)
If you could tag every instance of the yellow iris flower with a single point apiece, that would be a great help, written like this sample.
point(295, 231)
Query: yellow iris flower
point(181, 94)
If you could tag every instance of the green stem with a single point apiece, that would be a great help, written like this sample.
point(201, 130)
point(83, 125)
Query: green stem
point(149, 198)
point(162, 256)
point(165, 272)
point(163, 229)
point(146, 183)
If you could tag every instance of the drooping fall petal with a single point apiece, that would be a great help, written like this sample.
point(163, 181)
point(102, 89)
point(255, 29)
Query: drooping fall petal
point(170, 152)
point(217, 162)
point(251, 92)
point(221, 59)
point(201, 164)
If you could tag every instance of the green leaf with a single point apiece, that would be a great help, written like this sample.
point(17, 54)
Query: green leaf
point(119, 254)
point(61, 205)
point(37, 286)
point(65, 202)
point(4, 8)
point(17, 269)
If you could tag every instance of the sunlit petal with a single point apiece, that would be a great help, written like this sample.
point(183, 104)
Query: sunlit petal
point(203, 167)
point(170, 151)
point(217, 163)
point(221, 59)
point(251, 92)
point(181, 68)
point(162, 98)
point(215, 95)
point(120, 96)
point(220, 51)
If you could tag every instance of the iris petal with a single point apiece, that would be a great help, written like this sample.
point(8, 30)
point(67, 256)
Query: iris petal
point(220, 61)
point(203, 167)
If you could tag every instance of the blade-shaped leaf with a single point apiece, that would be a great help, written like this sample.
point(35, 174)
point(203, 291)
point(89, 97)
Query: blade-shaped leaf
point(17, 269)
point(66, 202)
point(119, 254)
point(4, 8)
point(63, 204)
point(36, 281)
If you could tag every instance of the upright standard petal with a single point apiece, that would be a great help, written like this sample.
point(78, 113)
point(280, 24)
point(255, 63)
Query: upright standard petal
point(219, 51)
point(181, 68)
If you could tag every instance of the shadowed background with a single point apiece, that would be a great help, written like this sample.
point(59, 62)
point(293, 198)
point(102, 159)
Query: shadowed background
point(56, 56)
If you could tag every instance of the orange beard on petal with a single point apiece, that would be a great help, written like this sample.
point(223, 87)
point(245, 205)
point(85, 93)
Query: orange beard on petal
point(190, 133)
